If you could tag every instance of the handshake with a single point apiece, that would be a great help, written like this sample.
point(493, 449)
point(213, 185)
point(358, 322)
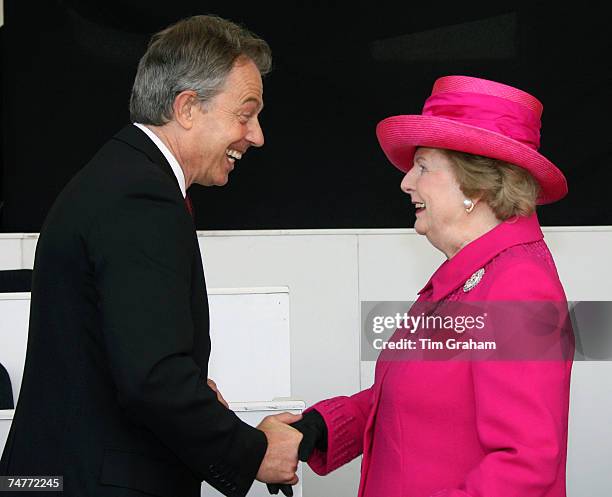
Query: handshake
point(290, 437)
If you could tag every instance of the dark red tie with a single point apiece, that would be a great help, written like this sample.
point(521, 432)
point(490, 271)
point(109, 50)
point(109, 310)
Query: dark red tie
point(189, 205)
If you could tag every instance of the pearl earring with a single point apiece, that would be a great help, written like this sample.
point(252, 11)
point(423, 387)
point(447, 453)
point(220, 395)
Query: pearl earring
point(469, 205)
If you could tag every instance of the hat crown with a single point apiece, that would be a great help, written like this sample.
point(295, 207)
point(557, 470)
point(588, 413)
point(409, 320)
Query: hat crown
point(467, 84)
point(487, 105)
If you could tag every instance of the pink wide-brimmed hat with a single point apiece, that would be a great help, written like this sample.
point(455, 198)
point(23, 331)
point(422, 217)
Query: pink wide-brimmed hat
point(479, 117)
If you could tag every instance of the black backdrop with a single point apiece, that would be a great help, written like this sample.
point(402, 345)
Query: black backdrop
point(339, 68)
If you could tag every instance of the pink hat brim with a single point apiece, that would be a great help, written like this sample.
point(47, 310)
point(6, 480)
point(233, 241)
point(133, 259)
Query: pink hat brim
point(399, 136)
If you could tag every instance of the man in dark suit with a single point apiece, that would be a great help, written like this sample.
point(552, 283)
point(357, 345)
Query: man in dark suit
point(115, 396)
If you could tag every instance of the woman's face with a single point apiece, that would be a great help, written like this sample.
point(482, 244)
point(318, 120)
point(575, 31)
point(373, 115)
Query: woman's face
point(434, 190)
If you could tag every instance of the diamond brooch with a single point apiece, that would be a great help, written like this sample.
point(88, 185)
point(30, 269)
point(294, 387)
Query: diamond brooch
point(473, 280)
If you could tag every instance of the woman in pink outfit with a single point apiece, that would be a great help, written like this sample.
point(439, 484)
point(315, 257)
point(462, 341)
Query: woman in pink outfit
point(465, 428)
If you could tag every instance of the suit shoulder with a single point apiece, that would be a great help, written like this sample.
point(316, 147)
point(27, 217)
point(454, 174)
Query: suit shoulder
point(123, 163)
point(118, 170)
point(117, 173)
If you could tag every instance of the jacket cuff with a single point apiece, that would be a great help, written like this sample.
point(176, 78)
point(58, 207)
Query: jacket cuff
point(344, 435)
point(236, 476)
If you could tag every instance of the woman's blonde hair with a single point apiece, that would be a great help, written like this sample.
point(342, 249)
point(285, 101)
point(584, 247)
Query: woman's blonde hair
point(508, 189)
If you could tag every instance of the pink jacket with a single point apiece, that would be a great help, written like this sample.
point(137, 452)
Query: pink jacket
point(463, 428)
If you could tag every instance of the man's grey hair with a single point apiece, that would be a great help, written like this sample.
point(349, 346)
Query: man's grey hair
point(196, 54)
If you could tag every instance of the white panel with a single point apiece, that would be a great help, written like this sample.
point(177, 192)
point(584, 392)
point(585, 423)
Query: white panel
point(262, 318)
point(249, 331)
point(6, 418)
point(14, 313)
point(395, 266)
point(590, 431)
point(253, 412)
point(29, 250)
point(367, 373)
point(320, 274)
point(10, 252)
point(582, 260)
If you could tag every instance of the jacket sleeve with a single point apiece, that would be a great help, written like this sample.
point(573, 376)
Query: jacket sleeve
point(142, 252)
point(345, 418)
point(521, 409)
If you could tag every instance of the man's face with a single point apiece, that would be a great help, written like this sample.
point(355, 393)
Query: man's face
point(226, 126)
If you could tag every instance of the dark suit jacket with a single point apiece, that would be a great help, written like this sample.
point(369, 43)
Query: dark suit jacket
point(114, 394)
point(6, 389)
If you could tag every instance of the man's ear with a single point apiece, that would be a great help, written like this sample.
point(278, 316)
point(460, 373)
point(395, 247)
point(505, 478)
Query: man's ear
point(184, 107)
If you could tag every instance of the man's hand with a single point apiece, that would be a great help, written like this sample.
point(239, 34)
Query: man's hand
point(281, 459)
point(214, 388)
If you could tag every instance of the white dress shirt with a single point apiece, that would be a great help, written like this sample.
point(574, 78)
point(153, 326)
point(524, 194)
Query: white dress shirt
point(176, 168)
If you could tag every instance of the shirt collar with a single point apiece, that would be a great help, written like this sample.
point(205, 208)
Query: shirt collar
point(454, 272)
point(176, 168)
